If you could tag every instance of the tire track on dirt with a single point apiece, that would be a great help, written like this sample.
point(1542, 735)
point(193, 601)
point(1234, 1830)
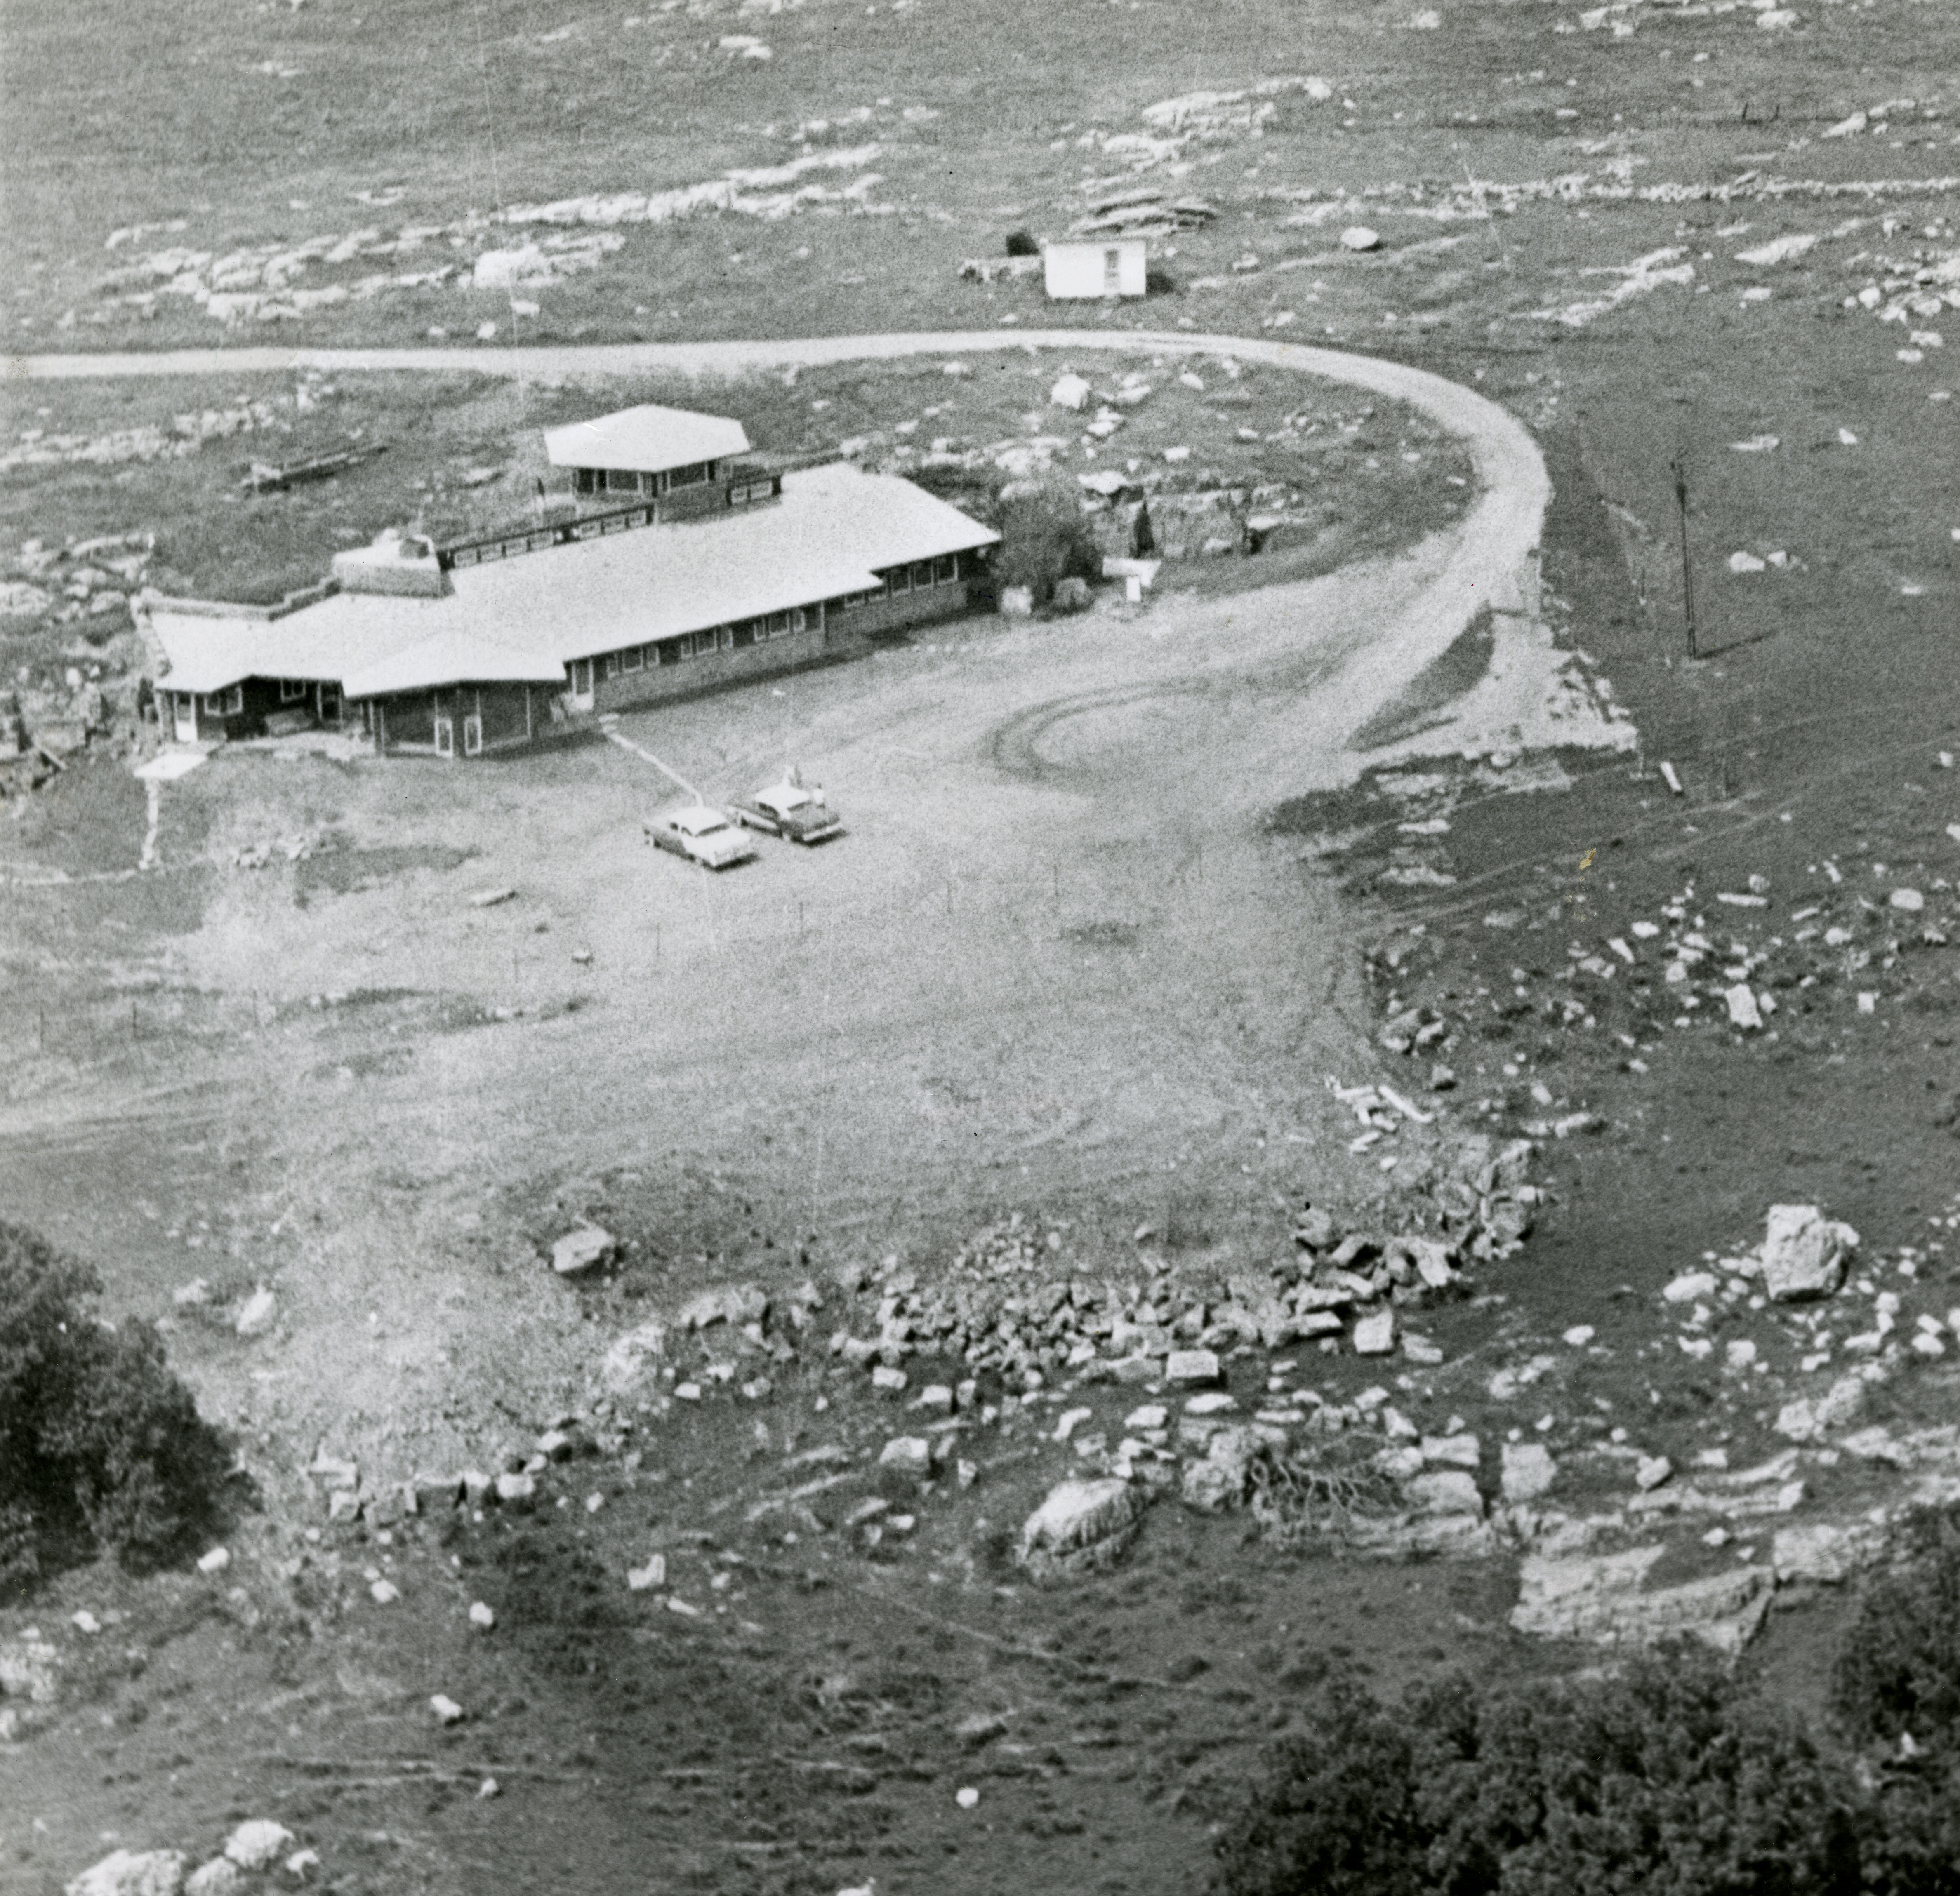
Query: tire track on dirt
point(1492, 564)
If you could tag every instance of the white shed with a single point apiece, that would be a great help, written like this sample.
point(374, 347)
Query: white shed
point(1098, 267)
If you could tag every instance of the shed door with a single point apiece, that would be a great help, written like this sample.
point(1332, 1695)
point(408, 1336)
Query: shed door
point(184, 706)
point(1113, 272)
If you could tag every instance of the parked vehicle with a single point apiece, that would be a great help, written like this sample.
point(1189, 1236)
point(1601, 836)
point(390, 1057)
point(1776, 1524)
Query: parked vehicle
point(790, 809)
point(701, 835)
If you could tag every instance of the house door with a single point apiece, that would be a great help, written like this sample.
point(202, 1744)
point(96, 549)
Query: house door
point(184, 707)
point(445, 736)
point(329, 703)
point(581, 684)
point(472, 736)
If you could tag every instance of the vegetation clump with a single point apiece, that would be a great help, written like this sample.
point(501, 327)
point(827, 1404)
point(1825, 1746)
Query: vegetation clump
point(101, 1448)
point(1673, 1777)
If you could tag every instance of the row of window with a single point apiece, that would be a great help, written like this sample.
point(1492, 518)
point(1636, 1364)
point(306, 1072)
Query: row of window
point(626, 481)
point(695, 645)
point(921, 576)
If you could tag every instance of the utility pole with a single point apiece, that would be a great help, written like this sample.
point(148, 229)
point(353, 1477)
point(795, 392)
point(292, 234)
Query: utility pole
point(1687, 575)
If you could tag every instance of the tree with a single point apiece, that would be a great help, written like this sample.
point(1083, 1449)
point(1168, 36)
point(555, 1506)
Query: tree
point(1044, 540)
point(100, 1445)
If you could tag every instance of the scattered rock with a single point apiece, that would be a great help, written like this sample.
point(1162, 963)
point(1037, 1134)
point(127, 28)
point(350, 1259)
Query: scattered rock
point(1743, 1012)
point(1082, 1527)
point(1185, 1368)
point(1600, 1597)
point(1822, 1552)
point(1452, 1451)
point(1809, 1417)
point(732, 1303)
point(1069, 391)
point(1360, 237)
point(216, 1561)
point(256, 1315)
point(150, 1872)
point(1651, 1471)
point(446, 1710)
point(1804, 1253)
point(255, 1845)
point(1528, 1471)
point(634, 1359)
point(482, 1616)
point(1691, 1288)
point(1221, 1478)
point(909, 1454)
point(516, 1488)
point(214, 1878)
point(1375, 1334)
point(580, 1250)
point(1444, 1491)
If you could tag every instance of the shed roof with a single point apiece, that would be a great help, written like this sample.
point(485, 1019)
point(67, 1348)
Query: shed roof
point(646, 440)
point(527, 617)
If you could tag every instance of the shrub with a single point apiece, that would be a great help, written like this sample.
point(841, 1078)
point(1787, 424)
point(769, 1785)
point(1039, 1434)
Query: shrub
point(1044, 540)
point(1667, 1782)
point(99, 1444)
point(1898, 1673)
point(1897, 1685)
point(1336, 1815)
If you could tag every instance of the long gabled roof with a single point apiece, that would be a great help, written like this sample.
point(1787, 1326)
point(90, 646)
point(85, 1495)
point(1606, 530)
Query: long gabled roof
point(525, 619)
point(647, 440)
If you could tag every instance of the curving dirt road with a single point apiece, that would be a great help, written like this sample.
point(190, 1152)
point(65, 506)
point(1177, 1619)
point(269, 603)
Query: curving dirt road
point(1056, 961)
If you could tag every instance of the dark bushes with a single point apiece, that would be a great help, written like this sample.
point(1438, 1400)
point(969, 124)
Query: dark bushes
point(101, 1446)
point(1670, 1779)
point(1667, 1782)
point(1044, 540)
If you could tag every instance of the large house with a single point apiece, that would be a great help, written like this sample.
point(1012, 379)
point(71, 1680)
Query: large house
point(684, 564)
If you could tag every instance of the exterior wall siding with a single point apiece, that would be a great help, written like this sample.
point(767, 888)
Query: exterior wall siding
point(629, 689)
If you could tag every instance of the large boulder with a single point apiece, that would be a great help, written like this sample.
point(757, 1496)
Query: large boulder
point(1804, 1253)
point(1602, 1597)
point(1810, 1416)
point(1082, 1527)
point(256, 1844)
point(634, 1359)
point(1220, 1479)
point(1528, 1471)
point(735, 1304)
point(580, 1250)
point(127, 1873)
point(1824, 1553)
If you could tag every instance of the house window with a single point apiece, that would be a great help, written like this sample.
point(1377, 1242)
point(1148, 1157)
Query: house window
point(899, 580)
point(225, 704)
point(945, 571)
point(622, 481)
point(291, 690)
point(744, 633)
point(584, 480)
point(922, 575)
point(690, 477)
point(634, 660)
point(667, 652)
point(797, 620)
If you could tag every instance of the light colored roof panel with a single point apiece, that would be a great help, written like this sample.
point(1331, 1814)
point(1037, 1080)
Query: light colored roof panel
point(525, 617)
point(649, 439)
point(451, 655)
point(879, 520)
